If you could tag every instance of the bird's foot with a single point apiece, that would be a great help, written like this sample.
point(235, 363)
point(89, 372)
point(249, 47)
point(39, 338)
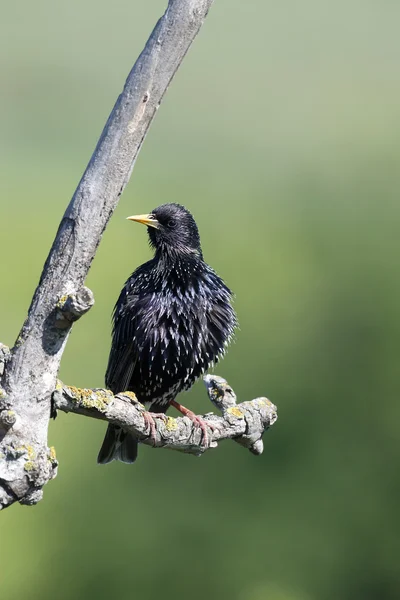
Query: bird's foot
point(151, 423)
point(199, 421)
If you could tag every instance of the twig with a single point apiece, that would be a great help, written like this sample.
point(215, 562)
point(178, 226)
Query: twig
point(245, 422)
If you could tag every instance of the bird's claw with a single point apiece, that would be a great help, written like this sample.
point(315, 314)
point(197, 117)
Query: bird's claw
point(204, 425)
point(149, 419)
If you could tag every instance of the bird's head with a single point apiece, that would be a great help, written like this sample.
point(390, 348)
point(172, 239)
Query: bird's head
point(171, 228)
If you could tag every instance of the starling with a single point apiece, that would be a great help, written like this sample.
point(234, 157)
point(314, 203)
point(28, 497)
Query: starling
point(172, 321)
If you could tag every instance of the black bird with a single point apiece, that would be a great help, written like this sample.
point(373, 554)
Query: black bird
point(172, 321)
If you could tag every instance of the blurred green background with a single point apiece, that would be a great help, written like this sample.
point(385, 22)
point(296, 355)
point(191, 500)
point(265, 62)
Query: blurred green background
point(281, 133)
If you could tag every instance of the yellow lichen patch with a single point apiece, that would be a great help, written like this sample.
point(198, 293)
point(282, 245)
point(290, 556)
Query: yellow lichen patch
point(59, 385)
point(52, 454)
point(99, 400)
point(214, 393)
point(2, 393)
point(74, 392)
point(236, 412)
point(62, 301)
point(131, 396)
point(171, 424)
point(20, 450)
point(264, 401)
point(87, 398)
point(30, 451)
point(29, 466)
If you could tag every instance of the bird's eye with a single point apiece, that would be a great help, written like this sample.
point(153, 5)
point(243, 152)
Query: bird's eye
point(171, 223)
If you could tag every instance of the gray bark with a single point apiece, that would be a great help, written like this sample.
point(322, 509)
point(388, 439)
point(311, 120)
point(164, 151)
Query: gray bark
point(245, 422)
point(29, 371)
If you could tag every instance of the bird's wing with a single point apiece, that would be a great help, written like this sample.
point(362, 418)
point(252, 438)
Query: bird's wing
point(124, 350)
point(221, 318)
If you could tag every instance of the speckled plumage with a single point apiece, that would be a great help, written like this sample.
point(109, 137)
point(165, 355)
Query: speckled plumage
point(172, 321)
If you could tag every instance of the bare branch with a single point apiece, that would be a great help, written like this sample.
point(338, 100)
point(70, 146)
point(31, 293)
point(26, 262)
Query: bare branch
point(245, 422)
point(30, 375)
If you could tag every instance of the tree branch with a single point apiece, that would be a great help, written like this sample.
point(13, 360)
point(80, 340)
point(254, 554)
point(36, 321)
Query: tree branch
point(245, 422)
point(30, 374)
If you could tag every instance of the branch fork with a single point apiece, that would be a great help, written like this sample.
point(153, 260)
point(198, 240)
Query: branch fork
point(28, 373)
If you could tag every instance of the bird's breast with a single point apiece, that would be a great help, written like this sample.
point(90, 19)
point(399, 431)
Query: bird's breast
point(181, 319)
point(180, 333)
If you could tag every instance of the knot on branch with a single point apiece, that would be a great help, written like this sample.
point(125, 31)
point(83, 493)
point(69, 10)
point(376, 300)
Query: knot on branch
point(73, 307)
point(7, 418)
point(219, 392)
point(38, 465)
point(258, 415)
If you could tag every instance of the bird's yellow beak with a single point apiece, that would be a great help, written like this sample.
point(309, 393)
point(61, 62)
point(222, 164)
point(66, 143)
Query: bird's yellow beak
point(148, 220)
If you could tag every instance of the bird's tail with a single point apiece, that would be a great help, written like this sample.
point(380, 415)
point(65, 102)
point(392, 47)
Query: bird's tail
point(118, 445)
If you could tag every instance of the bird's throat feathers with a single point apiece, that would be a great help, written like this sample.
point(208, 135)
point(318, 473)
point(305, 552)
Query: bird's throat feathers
point(178, 258)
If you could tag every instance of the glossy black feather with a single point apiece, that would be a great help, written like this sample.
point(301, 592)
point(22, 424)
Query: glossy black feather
point(173, 318)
